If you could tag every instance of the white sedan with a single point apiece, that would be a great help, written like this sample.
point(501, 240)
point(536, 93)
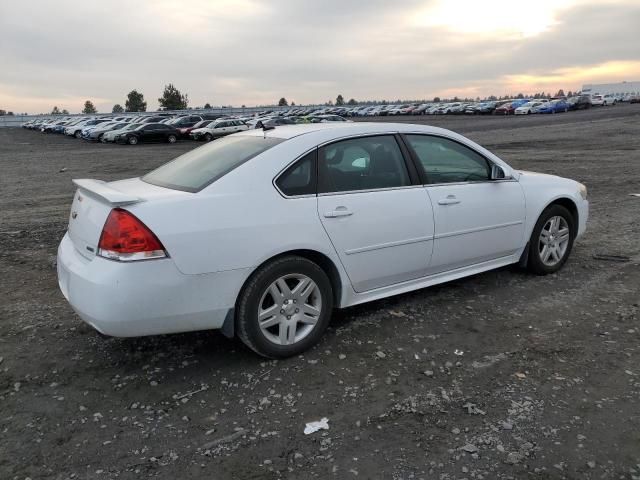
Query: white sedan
point(262, 233)
point(218, 128)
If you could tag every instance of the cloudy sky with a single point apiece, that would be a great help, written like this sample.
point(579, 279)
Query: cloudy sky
point(253, 52)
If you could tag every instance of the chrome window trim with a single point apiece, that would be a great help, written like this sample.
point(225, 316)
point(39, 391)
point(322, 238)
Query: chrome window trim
point(369, 190)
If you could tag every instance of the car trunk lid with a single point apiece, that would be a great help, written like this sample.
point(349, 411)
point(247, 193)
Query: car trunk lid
point(94, 200)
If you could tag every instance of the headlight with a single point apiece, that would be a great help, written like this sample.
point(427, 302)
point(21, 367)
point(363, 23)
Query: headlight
point(583, 191)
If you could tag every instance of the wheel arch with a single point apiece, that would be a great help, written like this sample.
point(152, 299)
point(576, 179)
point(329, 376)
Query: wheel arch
point(320, 259)
point(567, 203)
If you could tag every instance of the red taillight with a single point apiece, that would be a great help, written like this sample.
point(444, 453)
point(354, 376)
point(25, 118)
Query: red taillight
point(126, 238)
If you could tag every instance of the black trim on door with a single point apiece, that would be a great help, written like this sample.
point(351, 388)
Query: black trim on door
point(416, 172)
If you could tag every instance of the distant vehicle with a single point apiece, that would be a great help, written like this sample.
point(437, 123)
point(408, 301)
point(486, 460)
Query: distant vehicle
point(597, 100)
point(263, 234)
point(76, 130)
point(111, 135)
point(634, 99)
point(97, 133)
point(328, 118)
point(147, 133)
point(186, 130)
point(528, 108)
point(609, 99)
point(217, 129)
point(508, 108)
point(580, 102)
point(554, 106)
point(52, 127)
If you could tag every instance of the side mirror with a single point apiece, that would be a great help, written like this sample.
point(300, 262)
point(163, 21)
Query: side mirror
point(497, 173)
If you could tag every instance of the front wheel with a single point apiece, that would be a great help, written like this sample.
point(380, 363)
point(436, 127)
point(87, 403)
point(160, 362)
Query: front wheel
point(78, 134)
point(285, 307)
point(208, 137)
point(132, 140)
point(551, 241)
point(172, 139)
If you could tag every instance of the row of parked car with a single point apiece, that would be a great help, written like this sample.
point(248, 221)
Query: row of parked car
point(130, 129)
point(166, 127)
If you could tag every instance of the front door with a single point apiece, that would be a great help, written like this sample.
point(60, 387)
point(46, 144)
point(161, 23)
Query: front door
point(476, 219)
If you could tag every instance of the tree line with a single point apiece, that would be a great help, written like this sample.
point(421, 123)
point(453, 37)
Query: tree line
point(173, 99)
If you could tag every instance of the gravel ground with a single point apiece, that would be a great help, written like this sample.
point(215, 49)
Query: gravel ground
point(502, 375)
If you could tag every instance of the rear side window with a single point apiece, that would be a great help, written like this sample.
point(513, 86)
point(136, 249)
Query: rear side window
point(446, 161)
point(198, 168)
point(299, 178)
point(362, 163)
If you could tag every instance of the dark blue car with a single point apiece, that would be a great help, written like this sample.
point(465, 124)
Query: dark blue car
point(554, 106)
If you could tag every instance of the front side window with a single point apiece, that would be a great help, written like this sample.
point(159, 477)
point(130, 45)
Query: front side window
point(198, 168)
point(446, 161)
point(362, 163)
point(300, 178)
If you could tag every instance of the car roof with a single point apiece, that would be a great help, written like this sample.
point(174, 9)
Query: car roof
point(341, 128)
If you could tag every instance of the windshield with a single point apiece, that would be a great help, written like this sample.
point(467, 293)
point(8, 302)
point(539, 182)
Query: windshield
point(198, 168)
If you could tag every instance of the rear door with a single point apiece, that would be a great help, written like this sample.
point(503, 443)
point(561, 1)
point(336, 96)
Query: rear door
point(476, 219)
point(379, 220)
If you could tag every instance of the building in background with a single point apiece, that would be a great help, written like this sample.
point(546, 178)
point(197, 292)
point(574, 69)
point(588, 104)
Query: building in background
point(622, 88)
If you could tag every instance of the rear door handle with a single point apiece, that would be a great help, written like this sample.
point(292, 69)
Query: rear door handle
point(338, 212)
point(450, 200)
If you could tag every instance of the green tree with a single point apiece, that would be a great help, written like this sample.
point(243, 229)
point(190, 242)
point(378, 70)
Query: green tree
point(339, 100)
point(172, 99)
point(2, 112)
point(352, 101)
point(55, 111)
point(65, 111)
point(135, 102)
point(207, 105)
point(89, 107)
point(283, 102)
point(436, 99)
point(293, 104)
point(117, 108)
point(560, 93)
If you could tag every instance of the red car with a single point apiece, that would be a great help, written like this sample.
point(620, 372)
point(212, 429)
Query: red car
point(185, 130)
point(505, 109)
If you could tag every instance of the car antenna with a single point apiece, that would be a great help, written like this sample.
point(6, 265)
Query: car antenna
point(266, 128)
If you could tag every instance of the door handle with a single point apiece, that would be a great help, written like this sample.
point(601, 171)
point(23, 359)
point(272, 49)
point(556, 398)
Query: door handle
point(338, 212)
point(450, 200)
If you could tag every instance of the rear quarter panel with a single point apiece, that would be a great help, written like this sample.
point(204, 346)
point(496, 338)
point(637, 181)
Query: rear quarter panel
point(239, 221)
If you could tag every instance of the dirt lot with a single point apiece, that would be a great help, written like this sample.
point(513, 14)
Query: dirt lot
point(503, 375)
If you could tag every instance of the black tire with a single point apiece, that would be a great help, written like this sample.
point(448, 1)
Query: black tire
point(535, 263)
point(172, 138)
point(247, 327)
point(78, 134)
point(132, 140)
point(208, 137)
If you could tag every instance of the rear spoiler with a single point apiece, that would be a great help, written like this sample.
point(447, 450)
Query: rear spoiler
point(104, 191)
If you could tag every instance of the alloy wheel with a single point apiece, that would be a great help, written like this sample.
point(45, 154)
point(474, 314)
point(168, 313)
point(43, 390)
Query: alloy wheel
point(553, 241)
point(289, 309)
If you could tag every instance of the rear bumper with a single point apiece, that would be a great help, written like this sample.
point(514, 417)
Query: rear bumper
point(144, 298)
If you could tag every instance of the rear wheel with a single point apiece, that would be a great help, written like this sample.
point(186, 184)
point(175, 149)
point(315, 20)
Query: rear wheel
point(552, 240)
point(285, 307)
point(133, 140)
point(78, 134)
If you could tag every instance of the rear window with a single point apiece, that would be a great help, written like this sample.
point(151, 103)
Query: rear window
point(198, 168)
